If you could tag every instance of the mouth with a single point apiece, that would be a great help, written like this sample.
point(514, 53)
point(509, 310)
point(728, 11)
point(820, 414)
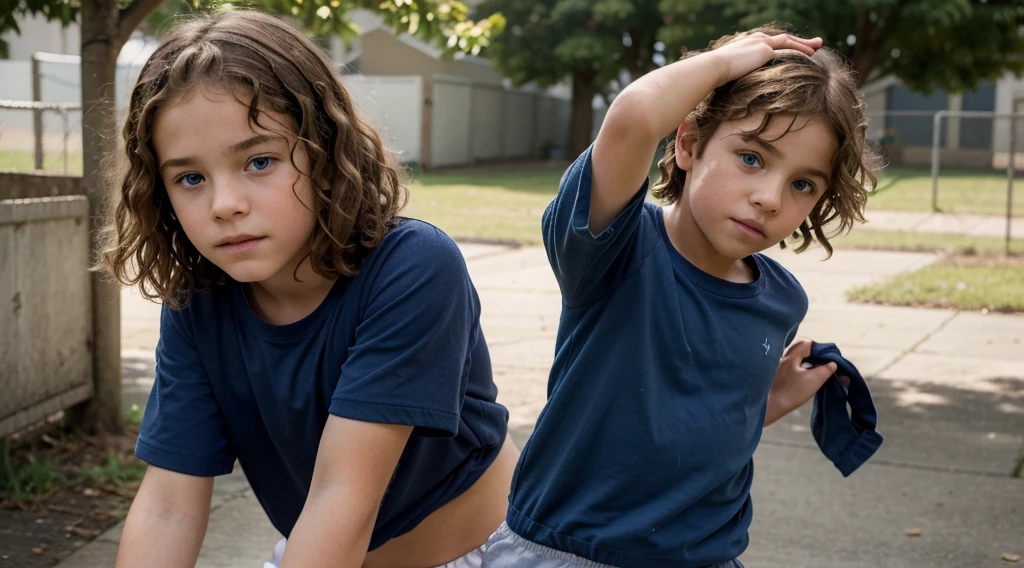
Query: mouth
point(750, 227)
point(239, 243)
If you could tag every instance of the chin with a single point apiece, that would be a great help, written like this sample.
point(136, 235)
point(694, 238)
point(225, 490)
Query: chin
point(250, 274)
point(733, 251)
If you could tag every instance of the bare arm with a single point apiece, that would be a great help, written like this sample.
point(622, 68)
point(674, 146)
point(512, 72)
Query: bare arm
point(354, 465)
point(656, 104)
point(167, 520)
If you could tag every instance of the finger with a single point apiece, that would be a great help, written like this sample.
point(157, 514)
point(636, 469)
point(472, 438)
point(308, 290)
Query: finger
point(801, 348)
point(786, 41)
point(814, 42)
point(819, 375)
point(844, 380)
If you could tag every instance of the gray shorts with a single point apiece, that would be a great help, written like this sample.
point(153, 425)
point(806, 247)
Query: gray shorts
point(472, 559)
point(506, 549)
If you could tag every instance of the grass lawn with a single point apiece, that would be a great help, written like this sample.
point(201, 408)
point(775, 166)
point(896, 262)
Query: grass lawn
point(506, 205)
point(981, 192)
point(503, 206)
point(962, 282)
point(927, 242)
point(53, 163)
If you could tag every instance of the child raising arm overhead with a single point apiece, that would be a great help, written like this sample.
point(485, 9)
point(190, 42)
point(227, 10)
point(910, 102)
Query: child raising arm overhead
point(671, 350)
point(329, 346)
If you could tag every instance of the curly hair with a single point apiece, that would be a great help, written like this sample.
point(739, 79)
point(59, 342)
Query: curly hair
point(357, 184)
point(792, 84)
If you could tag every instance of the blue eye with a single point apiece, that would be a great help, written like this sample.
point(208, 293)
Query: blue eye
point(803, 186)
point(192, 179)
point(750, 159)
point(261, 163)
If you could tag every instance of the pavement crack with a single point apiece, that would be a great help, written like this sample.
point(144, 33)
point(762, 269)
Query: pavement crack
point(902, 465)
point(942, 325)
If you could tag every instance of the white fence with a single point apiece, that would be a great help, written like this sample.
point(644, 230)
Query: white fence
point(395, 106)
point(471, 122)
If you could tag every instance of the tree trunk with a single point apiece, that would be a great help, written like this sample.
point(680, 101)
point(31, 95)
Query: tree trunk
point(100, 45)
point(582, 119)
point(105, 29)
point(864, 57)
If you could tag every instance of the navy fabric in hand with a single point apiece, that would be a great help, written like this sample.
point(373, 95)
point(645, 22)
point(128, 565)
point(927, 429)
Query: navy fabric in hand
point(847, 438)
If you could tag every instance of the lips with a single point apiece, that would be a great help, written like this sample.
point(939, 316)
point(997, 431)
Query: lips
point(239, 243)
point(750, 227)
point(236, 239)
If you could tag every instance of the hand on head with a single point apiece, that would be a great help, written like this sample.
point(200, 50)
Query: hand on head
point(751, 50)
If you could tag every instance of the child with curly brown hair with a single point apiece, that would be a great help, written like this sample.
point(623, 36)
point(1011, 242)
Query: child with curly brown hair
point(328, 345)
point(671, 354)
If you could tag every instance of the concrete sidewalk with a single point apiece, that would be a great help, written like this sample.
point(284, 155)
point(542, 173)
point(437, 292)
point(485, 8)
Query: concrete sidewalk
point(949, 388)
point(920, 222)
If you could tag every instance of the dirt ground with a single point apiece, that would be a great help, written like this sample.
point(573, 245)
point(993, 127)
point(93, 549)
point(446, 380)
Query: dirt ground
point(89, 483)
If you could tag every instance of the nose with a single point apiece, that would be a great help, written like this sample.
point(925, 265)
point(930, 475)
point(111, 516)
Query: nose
point(767, 196)
point(229, 199)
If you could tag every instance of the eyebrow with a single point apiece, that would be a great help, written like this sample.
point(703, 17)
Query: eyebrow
point(778, 154)
point(234, 149)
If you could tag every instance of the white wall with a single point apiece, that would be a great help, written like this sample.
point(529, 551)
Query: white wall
point(471, 122)
point(37, 34)
point(395, 106)
point(1008, 89)
point(450, 126)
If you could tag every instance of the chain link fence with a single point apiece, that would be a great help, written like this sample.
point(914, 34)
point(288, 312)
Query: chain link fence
point(42, 136)
point(41, 114)
point(956, 162)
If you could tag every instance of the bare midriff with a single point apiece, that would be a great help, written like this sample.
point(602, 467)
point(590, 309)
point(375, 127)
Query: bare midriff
point(458, 527)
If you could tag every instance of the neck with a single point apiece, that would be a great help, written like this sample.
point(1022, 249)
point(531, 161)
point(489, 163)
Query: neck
point(690, 241)
point(289, 295)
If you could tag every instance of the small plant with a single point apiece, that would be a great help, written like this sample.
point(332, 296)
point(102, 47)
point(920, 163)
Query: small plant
point(134, 417)
point(114, 471)
point(28, 480)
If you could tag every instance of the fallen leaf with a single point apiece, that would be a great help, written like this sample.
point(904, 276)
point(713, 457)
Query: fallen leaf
point(90, 492)
point(914, 532)
point(37, 550)
point(87, 533)
point(1011, 557)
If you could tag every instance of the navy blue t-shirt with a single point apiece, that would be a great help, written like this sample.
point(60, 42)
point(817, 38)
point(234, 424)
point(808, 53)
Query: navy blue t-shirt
point(657, 397)
point(400, 343)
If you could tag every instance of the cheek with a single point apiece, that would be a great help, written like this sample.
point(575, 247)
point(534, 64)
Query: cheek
point(297, 206)
point(797, 213)
point(190, 216)
point(706, 198)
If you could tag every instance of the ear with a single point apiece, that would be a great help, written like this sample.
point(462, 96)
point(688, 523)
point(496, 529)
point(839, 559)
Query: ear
point(686, 142)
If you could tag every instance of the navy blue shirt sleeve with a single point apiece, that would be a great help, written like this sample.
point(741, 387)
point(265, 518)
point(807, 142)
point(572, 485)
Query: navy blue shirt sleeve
point(182, 427)
point(411, 357)
point(584, 263)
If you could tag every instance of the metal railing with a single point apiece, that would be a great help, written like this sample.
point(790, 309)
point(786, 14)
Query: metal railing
point(1011, 156)
point(38, 108)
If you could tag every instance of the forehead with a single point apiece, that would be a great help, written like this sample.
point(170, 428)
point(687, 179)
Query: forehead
point(208, 118)
point(797, 138)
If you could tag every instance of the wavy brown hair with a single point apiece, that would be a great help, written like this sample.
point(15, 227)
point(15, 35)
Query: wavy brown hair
point(792, 84)
point(357, 185)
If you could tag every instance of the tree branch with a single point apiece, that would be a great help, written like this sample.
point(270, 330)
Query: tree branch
point(132, 15)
